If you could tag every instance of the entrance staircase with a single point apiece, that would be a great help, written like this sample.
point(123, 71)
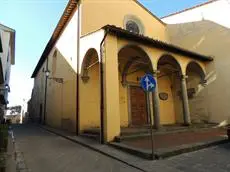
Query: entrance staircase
point(141, 132)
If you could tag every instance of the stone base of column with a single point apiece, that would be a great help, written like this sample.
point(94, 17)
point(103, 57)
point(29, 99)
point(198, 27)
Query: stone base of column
point(186, 124)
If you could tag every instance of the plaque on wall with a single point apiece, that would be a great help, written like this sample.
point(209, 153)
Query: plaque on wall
point(163, 96)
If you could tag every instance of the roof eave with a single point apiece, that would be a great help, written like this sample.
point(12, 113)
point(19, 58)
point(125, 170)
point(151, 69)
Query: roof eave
point(1, 49)
point(70, 8)
point(12, 42)
point(156, 43)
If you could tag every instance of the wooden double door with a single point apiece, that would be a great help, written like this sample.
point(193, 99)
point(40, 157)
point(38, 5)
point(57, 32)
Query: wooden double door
point(138, 103)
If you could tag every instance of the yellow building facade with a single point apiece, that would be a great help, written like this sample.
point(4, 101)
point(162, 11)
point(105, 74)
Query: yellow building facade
point(89, 73)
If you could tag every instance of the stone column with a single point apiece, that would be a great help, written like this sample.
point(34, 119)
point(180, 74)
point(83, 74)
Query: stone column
point(156, 104)
point(184, 94)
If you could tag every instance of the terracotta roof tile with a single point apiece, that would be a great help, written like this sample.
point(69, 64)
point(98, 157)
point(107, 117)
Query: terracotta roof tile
point(155, 43)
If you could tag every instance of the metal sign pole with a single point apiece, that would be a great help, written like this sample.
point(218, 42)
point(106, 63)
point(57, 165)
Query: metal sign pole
point(151, 124)
point(148, 84)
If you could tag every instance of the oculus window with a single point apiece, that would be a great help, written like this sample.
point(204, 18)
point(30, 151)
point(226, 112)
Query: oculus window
point(133, 24)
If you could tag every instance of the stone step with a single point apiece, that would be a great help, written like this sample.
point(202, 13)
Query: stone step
point(91, 136)
point(92, 131)
point(135, 135)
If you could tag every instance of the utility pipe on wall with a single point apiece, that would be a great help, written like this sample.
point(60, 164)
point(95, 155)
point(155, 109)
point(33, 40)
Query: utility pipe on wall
point(78, 57)
point(102, 140)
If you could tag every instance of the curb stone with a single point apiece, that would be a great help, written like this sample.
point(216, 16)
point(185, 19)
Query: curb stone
point(134, 161)
point(168, 152)
point(18, 156)
point(51, 130)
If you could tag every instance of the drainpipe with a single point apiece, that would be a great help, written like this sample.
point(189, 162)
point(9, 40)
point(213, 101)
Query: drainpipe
point(78, 56)
point(102, 140)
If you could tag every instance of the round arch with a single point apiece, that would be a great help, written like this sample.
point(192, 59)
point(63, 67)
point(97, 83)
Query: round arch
point(196, 96)
point(133, 63)
point(89, 86)
point(169, 84)
point(132, 56)
point(167, 59)
point(195, 67)
point(90, 59)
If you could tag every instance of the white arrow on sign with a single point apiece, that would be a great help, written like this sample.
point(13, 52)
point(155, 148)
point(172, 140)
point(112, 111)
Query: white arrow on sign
point(148, 84)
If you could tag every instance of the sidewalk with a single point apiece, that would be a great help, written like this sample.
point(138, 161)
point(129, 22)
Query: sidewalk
point(121, 156)
point(10, 158)
point(170, 144)
point(131, 160)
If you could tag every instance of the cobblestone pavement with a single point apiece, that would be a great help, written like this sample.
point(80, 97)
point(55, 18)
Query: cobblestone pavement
point(45, 152)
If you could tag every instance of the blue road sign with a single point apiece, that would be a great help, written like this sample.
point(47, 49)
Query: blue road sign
point(148, 83)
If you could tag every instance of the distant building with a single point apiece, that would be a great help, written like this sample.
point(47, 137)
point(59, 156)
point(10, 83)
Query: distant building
point(205, 28)
point(7, 58)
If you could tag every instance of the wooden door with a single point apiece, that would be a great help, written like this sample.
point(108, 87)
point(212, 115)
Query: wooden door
point(138, 106)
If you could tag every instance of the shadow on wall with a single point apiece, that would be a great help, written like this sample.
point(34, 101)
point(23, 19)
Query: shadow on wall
point(209, 38)
point(90, 91)
point(61, 96)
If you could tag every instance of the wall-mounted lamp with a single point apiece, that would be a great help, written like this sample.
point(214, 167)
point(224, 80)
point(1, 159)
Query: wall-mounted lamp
point(5, 88)
point(47, 73)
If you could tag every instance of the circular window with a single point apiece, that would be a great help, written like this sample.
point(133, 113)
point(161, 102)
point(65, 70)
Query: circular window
point(132, 27)
point(133, 24)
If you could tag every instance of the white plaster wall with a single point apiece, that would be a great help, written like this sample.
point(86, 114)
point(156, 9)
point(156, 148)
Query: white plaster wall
point(209, 38)
point(89, 41)
point(67, 47)
point(217, 11)
point(67, 43)
point(6, 59)
point(6, 49)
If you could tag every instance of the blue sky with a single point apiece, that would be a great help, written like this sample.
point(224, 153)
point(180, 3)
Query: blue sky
point(34, 22)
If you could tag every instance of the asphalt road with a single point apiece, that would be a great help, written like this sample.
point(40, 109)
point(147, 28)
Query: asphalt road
point(46, 152)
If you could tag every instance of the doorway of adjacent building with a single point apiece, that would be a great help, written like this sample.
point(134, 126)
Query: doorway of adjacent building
point(138, 106)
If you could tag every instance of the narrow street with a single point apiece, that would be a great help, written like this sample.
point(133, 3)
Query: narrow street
point(46, 152)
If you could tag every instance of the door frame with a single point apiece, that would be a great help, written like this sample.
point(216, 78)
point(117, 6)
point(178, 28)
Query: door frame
point(129, 85)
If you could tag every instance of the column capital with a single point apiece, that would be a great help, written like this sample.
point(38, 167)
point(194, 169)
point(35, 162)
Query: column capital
point(184, 77)
point(155, 72)
point(203, 82)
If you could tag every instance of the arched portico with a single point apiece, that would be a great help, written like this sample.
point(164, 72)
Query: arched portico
point(133, 62)
point(169, 84)
point(195, 84)
point(90, 91)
